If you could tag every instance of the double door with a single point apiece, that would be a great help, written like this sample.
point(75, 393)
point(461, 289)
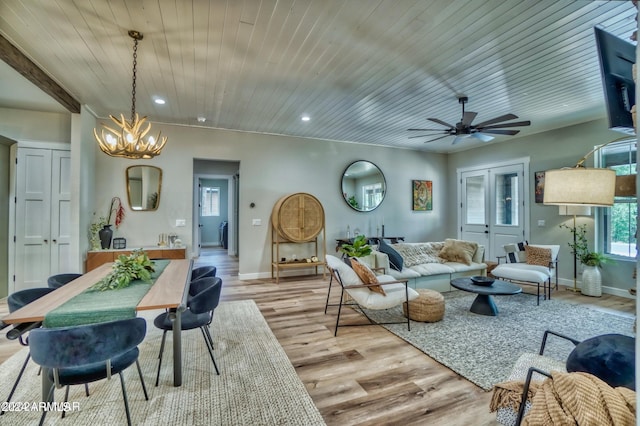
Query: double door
point(43, 216)
point(493, 206)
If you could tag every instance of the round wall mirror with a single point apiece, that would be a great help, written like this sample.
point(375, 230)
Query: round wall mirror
point(363, 186)
point(143, 187)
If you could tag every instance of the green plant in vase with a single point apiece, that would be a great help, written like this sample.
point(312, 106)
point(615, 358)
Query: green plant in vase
point(126, 269)
point(580, 247)
point(94, 228)
point(359, 247)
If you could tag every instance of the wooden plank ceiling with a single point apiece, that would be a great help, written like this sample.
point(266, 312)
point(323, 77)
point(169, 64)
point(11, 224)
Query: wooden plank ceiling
point(363, 70)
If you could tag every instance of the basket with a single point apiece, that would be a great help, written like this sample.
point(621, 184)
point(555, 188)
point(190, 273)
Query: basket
point(427, 307)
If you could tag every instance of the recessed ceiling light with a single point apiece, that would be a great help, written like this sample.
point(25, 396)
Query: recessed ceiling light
point(159, 101)
point(305, 117)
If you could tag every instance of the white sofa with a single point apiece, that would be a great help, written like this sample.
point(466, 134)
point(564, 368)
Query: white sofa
point(425, 268)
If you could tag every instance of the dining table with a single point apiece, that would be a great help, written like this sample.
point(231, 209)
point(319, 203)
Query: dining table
point(169, 292)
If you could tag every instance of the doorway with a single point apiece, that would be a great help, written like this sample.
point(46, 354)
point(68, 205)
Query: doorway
point(215, 208)
point(494, 205)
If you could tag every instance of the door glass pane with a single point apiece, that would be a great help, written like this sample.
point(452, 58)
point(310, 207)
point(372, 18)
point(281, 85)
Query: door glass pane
point(475, 200)
point(507, 199)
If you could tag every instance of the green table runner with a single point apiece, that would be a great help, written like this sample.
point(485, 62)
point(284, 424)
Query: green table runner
point(92, 306)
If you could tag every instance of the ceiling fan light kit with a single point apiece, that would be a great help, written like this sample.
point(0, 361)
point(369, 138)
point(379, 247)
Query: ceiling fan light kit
point(464, 129)
point(129, 139)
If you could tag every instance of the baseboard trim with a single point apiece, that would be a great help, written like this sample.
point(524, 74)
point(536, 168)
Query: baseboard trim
point(614, 291)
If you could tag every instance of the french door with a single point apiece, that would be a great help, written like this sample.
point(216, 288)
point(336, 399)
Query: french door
point(493, 205)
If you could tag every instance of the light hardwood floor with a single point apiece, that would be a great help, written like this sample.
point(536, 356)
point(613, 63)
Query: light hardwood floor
point(366, 375)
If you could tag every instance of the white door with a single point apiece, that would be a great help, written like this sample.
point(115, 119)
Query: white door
point(493, 205)
point(42, 225)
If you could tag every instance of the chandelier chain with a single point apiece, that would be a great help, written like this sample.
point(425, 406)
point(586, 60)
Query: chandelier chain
point(133, 84)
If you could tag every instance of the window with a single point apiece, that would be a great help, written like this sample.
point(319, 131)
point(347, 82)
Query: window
point(618, 224)
point(371, 196)
point(209, 201)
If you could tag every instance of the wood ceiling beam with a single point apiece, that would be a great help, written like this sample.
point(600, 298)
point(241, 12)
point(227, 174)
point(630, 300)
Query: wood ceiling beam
point(18, 61)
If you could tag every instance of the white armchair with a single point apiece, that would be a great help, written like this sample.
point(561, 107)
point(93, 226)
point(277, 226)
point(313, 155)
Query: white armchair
point(367, 295)
point(533, 264)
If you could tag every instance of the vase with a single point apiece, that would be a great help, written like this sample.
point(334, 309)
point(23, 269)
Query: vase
point(105, 236)
point(591, 281)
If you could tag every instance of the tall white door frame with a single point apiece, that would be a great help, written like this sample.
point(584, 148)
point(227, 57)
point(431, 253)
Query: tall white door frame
point(490, 233)
point(231, 242)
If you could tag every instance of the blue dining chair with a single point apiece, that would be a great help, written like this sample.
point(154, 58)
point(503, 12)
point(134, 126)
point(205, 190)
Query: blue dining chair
point(199, 314)
point(203, 272)
point(16, 301)
point(88, 353)
point(56, 281)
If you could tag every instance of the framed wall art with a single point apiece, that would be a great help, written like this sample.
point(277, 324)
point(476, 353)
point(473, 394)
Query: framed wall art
point(422, 195)
point(539, 186)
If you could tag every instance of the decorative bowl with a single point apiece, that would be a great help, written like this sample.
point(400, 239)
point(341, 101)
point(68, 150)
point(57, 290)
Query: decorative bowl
point(483, 281)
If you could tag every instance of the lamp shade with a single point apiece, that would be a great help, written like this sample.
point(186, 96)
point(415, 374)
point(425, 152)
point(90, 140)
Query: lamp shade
point(579, 186)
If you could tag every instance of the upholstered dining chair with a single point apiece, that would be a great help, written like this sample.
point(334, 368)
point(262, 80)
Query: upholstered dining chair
point(533, 264)
point(199, 314)
point(59, 280)
point(87, 353)
point(203, 272)
point(385, 293)
point(16, 301)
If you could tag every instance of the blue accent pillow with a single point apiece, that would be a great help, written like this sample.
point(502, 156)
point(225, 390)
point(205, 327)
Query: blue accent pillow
point(610, 357)
point(395, 260)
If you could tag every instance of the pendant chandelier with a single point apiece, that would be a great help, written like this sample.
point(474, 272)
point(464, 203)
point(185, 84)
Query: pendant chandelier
point(129, 139)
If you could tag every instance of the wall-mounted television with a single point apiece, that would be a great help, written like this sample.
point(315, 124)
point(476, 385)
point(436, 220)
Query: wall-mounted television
point(617, 57)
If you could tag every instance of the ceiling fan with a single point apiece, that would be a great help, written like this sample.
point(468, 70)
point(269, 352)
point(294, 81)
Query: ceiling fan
point(464, 129)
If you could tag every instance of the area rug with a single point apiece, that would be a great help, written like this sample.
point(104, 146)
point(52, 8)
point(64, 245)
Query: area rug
point(257, 383)
point(483, 349)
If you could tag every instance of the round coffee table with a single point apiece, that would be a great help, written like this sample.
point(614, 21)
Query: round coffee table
point(484, 303)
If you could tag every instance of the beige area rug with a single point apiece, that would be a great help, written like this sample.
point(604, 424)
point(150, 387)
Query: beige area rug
point(257, 383)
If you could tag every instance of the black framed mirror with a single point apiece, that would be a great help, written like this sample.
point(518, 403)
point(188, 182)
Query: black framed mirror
point(363, 186)
point(143, 187)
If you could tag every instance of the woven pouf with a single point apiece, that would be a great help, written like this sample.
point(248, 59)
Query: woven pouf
point(427, 307)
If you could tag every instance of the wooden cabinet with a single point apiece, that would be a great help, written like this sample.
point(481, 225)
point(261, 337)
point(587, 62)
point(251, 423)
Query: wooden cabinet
point(297, 219)
point(97, 258)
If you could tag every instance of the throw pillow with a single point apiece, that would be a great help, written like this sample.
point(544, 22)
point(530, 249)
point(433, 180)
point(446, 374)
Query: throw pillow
point(516, 252)
point(366, 275)
point(417, 253)
point(538, 255)
point(395, 260)
point(458, 251)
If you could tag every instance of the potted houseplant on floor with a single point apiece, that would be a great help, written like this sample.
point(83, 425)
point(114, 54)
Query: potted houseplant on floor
point(591, 261)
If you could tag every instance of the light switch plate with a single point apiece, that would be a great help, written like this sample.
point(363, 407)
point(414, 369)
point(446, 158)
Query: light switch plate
point(181, 222)
point(541, 222)
point(256, 222)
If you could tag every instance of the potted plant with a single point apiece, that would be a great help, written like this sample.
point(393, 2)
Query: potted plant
point(591, 261)
point(358, 248)
point(106, 232)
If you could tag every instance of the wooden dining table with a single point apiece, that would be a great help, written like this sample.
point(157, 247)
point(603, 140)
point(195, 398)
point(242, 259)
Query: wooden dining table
point(170, 291)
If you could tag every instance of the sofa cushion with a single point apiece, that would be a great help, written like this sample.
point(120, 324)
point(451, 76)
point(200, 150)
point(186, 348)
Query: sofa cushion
point(347, 275)
point(522, 272)
point(366, 275)
point(538, 255)
point(458, 251)
point(395, 260)
point(516, 252)
point(371, 300)
point(418, 253)
point(461, 267)
point(432, 269)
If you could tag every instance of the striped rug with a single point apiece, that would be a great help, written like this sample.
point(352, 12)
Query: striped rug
point(257, 385)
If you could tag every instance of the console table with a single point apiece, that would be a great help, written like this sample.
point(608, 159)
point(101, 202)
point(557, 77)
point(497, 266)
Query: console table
point(99, 257)
point(370, 240)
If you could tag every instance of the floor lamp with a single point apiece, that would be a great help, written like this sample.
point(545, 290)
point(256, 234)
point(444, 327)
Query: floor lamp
point(574, 211)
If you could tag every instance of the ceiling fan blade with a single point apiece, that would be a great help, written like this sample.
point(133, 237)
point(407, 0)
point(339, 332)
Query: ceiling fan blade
point(482, 137)
point(497, 120)
point(435, 120)
point(433, 140)
point(501, 132)
point(427, 130)
point(459, 139)
point(514, 124)
point(421, 136)
point(468, 117)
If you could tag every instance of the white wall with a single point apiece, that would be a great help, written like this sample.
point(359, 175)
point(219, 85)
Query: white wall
point(550, 150)
point(272, 167)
